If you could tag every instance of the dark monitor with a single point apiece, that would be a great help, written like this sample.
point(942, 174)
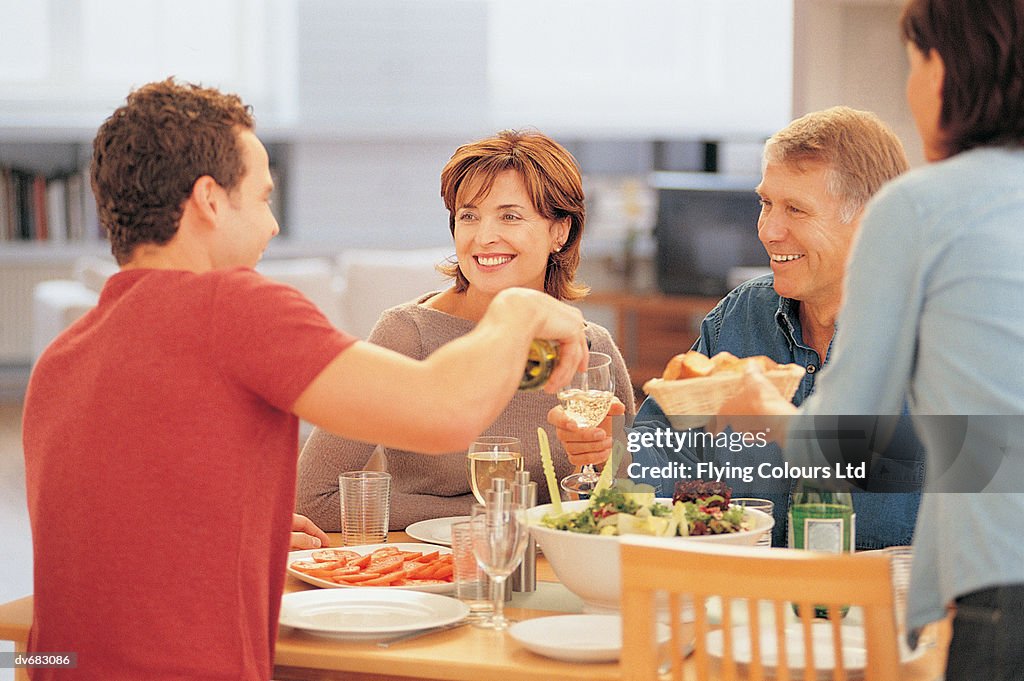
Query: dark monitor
point(706, 226)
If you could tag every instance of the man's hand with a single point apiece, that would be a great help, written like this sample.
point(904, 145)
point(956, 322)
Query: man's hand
point(551, 319)
point(757, 407)
point(585, 445)
point(306, 535)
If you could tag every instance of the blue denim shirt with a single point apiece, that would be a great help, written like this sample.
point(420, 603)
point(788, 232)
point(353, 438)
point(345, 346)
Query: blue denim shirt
point(754, 320)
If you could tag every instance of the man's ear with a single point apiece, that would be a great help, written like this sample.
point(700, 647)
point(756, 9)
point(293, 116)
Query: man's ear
point(203, 202)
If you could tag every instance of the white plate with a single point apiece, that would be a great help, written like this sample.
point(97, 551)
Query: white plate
point(435, 530)
point(854, 647)
point(363, 550)
point(576, 638)
point(368, 613)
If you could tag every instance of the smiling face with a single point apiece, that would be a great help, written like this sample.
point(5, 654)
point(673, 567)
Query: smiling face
point(247, 224)
point(501, 240)
point(801, 229)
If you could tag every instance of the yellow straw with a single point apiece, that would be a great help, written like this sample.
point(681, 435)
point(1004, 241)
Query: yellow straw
point(606, 478)
point(549, 471)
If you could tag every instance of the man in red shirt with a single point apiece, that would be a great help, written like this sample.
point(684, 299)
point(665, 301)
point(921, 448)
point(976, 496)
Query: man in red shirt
point(161, 429)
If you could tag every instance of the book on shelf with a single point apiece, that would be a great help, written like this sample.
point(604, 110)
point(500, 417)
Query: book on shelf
point(53, 208)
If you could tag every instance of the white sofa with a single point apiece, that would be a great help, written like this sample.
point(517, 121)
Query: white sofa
point(370, 281)
point(352, 288)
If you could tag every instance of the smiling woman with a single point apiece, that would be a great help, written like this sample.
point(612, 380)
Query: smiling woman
point(516, 213)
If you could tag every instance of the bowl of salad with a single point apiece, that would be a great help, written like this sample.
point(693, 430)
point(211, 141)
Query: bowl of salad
point(582, 542)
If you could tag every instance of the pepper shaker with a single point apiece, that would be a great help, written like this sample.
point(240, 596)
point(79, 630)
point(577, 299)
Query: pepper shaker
point(524, 492)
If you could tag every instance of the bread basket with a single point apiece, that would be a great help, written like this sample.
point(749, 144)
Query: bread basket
point(691, 402)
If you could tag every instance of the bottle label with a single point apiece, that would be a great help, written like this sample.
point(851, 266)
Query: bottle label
point(824, 535)
point(828, 528)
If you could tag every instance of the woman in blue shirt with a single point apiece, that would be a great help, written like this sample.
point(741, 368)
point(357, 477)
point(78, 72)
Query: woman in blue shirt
point(951, 334)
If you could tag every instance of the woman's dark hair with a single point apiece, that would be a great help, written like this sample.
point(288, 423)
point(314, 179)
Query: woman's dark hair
point(981, 43)
point(147, 156)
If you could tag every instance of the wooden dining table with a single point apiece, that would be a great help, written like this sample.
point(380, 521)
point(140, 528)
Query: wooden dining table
point(465, 653)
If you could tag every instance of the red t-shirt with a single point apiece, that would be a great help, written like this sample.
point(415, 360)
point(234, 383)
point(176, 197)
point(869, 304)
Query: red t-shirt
point(160, 459)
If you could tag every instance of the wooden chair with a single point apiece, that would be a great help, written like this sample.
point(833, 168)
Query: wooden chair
point(765, 578)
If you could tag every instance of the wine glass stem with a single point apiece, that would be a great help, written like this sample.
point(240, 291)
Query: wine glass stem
point(498, 593)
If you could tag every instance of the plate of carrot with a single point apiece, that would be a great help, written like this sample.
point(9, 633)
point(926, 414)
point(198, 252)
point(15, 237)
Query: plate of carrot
point(417, 567)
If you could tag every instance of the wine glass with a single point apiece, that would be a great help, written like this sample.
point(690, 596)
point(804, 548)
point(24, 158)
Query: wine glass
point(586, 401)
point(499, 540)
point(491, 457)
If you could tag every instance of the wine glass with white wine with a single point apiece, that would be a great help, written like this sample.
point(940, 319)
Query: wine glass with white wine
point(586, 401)
point(491, 457)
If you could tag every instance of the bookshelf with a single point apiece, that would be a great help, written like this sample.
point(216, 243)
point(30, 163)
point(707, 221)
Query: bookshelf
point(45, 195)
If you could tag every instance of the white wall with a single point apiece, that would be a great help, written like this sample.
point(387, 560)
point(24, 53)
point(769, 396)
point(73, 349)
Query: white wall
point(849, 52)
point(368, 193)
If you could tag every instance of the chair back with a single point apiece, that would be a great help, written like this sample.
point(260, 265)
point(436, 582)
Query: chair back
point(764, 585)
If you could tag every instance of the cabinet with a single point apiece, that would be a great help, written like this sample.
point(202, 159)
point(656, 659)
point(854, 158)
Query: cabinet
point(650, 329)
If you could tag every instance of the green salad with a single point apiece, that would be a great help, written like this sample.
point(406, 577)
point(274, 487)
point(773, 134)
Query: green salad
point(614, 512)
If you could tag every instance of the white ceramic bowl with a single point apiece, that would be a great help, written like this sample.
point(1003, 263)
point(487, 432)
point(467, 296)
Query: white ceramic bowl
point(588, 564)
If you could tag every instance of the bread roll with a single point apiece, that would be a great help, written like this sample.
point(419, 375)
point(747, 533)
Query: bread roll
point(693, 364)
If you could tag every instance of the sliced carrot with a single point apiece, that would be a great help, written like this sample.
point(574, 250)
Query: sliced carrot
point(362, 562)
point(385, 569)
point(427, 571)
point(411, 555)
point(425, 582)
point(384, 580)
point(354, 578)
point(444, 571)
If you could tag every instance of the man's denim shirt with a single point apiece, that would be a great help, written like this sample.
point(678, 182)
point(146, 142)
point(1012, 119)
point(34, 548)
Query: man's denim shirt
point(754, 320)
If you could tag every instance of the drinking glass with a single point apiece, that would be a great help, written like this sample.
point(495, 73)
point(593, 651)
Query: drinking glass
point(491, 457)
point(765, 505)
point(499, 539)
point(586, 401)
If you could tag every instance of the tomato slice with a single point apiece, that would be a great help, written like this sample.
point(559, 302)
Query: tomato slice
point(389, 564)
point(386, 551)
point(329, 555)
point(346, 570)
point(311, 566)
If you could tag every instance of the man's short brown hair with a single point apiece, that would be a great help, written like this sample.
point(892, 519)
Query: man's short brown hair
point(859, 151)
point(148, 154)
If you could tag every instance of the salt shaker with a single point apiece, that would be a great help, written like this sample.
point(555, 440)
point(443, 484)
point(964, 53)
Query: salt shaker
point(499, 495)
point(525, 576)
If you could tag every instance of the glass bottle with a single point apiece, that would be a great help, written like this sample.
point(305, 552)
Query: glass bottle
point(821, 520)
point(540, 362)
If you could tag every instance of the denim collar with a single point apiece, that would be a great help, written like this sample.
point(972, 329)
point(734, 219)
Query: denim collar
point(788, 318)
